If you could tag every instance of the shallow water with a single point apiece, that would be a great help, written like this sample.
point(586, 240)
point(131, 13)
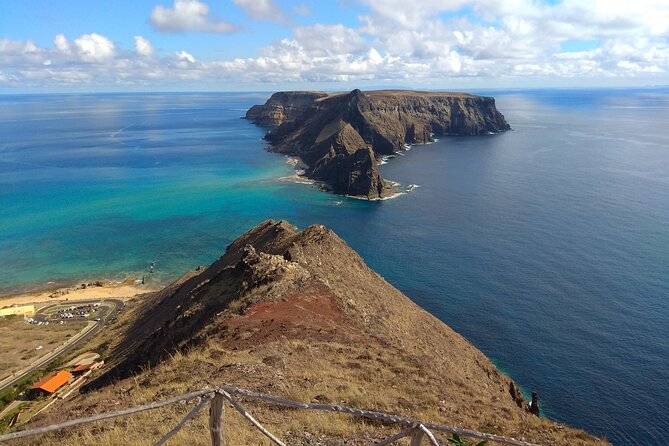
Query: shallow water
point(547, 247)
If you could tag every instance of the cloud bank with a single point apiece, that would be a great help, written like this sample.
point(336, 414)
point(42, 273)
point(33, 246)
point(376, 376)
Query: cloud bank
point(430, 43)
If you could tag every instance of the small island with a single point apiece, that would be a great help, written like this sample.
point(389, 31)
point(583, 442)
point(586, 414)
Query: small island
point(340, 136)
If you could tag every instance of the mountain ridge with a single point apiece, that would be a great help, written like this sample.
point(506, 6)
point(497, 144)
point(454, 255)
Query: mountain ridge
point(300, 314)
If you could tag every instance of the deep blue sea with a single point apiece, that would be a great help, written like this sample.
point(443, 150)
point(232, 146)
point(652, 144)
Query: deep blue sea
point(546, 246)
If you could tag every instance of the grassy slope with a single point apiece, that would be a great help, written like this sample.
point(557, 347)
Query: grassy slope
point(307, 321)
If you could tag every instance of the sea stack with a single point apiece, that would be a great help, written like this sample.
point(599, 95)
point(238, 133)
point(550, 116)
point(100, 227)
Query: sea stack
point(340, 136)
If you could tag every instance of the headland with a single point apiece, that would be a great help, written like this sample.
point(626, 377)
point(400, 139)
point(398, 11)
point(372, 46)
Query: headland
point(341, 136)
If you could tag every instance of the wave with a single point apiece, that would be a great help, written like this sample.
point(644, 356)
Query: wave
point(383, 160)
point(298, 179)
point(390, 197)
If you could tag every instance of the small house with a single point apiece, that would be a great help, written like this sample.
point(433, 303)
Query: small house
point(50, 383)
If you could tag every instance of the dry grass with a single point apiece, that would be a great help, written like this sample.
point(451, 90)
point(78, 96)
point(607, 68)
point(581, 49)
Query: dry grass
point(345, 337)
point(19, 339)
point(304, 371)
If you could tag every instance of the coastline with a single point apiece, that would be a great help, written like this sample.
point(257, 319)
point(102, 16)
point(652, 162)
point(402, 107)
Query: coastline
point(300, 178)
point(93, 290)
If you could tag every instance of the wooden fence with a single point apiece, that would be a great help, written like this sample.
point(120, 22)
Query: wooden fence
point(216, 398)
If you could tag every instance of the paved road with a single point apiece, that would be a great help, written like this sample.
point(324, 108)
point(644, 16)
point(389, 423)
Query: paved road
point(74, 342)
point(10, 407)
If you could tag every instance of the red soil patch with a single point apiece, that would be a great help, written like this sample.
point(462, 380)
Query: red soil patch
point(312, 313)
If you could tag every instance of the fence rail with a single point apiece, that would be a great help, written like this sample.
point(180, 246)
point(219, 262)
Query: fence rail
point(217, 397)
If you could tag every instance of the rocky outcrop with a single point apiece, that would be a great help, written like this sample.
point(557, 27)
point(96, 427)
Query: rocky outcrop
point(283, 107)
point(339, 136)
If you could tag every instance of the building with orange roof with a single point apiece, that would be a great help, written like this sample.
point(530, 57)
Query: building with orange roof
point(83, 368)
point(50, 383)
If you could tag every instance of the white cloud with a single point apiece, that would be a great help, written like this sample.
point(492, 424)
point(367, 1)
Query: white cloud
point(262, 10)
point(374, 56)
point(182, 55)
point(143, 46)
point(329, 39)
point(431, 43)
point(94, 47)
point(634, 67)
point(188, 15)
point(407, 14)
point(60, 41)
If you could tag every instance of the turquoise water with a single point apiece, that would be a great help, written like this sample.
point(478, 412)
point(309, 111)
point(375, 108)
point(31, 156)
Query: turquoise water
point(547, 247)
point(103, 185)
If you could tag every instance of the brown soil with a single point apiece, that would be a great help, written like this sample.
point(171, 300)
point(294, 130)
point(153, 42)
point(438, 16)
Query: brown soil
point(312, 313)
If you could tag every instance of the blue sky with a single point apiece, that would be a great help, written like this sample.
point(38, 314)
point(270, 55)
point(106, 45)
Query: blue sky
point(41, 20)
point(227, 45)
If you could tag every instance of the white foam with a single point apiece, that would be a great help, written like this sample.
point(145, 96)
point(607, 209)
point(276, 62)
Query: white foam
point(292, 161)
point(297, 179)
point(395, 195)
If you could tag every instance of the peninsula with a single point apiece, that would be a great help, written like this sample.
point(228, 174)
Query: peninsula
point(297, 314)
point(340, 136)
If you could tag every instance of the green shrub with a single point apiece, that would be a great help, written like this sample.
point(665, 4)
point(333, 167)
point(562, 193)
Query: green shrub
point(457, 440)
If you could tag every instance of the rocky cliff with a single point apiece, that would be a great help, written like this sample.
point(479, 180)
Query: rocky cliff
point(340, 136)
point(283, 107)
point(297, 314)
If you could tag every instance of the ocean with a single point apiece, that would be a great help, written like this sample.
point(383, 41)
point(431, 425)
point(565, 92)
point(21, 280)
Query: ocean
point(546, 246)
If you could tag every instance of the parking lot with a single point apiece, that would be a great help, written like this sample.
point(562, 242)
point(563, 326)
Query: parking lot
point(62, 314)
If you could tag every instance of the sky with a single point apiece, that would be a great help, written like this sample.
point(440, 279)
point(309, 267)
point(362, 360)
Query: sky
point(266, 45)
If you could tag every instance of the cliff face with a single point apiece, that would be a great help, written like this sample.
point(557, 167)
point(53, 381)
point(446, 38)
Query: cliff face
point(283, 107)
point(339, 136)
point(299, 314)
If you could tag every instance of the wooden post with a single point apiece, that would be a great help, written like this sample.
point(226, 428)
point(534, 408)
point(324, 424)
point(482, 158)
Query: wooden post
point(417, 437)
point(216, 416)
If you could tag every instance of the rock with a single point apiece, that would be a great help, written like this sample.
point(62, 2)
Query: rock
point(516, 394)
point(534, 405)
point(339, 136)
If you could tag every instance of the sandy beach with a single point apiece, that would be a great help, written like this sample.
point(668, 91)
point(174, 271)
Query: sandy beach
point(117, 290)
